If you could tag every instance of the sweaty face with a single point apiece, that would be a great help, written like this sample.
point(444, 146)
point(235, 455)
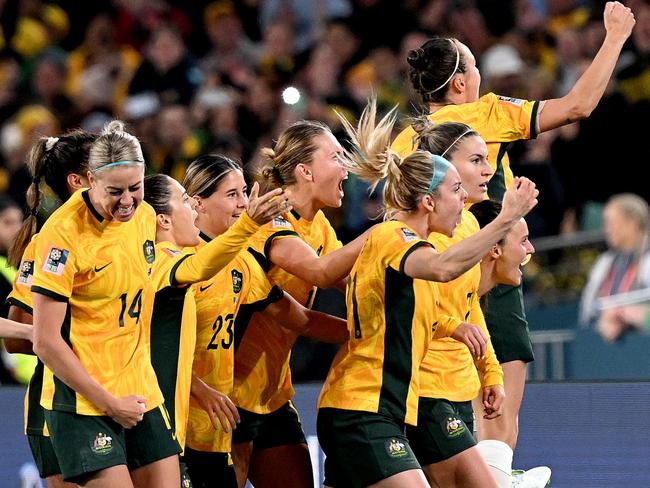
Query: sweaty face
point(328, 171)
point(222, 209)
point(470, 159)
point(183, 216)
point(116, 192)
point(515, 251)
point(449, 201)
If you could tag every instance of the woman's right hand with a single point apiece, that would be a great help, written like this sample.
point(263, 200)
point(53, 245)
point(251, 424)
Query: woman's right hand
point(263, 209)
point(472, 337)
point(127, 411)
point(619, 20)
point(218, 406)
point(520, 199)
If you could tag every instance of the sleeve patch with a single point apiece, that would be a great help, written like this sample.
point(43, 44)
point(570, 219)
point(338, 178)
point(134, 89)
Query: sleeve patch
point(280, 221)
point(407, 235)
point(55, 262)
point(172, 252)
point(514, 101)
point(25, 273)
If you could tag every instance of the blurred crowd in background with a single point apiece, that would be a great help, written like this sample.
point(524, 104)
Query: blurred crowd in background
point(196, 76)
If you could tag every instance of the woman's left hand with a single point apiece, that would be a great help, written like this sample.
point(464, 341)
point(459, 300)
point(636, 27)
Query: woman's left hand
point(273, 203)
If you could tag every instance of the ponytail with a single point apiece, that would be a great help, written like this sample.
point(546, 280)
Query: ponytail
point(36, 162)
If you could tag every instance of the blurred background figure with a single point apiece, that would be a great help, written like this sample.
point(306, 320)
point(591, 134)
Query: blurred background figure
point(11, 219)
point(623, 268)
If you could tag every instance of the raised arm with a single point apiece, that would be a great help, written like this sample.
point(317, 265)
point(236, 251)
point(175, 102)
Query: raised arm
point(49, 315)
point(294, 256)
point(427, 264)
point(211, 258)
point(588, 90)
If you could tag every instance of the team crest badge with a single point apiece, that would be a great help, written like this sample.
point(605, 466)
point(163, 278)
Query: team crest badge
point(149, 251)
point(280, 221)
point(25, 273)
point(102, 444)
point(396, 448)
point(455, 427)
point(55, 262)
point(407, 235)
point(237, 280)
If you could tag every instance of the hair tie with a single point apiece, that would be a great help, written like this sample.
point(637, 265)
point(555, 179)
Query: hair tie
point(455, 67)
point(49, 144)
point(117, 163)
point(440, 167)
point(33, 212)
point(455, 141)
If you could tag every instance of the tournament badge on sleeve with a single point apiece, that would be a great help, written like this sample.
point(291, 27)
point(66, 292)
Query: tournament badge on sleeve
point(55, 262)
point(25, 273)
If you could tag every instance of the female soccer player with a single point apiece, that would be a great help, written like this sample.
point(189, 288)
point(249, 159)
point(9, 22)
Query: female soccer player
point(443, 71)
point(61, 163)
point(173, 323)
point(225, 304)
point(372, 389)
point(443, 440)
point(91, 293)
point(300, 252)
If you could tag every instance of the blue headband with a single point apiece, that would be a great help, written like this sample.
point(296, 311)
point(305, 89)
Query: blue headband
point(440, 167)
point(118, 163)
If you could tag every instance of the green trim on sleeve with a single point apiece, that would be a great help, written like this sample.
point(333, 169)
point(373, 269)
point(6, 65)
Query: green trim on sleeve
point(21, 305)
point(533, 121)
point(172, 272)
point(415, 246)
point(272, 237)
point(49, 293)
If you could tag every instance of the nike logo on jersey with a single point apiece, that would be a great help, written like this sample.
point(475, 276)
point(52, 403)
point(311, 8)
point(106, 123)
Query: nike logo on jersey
point(97, 270)
point(203, 288)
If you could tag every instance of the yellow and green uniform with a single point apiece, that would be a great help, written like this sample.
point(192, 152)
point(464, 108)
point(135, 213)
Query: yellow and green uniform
point(262, 375)
point(498, 120)
point(173, 323)
point(101, 269)
point(224, 306)
point(173, 335)
point(448, 370)
point(391, 320)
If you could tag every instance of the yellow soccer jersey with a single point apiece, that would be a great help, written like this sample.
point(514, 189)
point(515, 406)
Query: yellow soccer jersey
point(102, 270)
point(173, 335)
point(498, 120)
point(448, 370)
point(224, 306)
point(262, 375)
point(391, 320)
point(21, 297)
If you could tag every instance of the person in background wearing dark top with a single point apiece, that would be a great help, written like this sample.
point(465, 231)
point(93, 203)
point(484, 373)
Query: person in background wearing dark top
point(11, 218)
point(168, 69)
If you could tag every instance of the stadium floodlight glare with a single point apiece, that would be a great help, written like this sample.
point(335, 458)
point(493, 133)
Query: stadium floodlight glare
point(290, 95)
